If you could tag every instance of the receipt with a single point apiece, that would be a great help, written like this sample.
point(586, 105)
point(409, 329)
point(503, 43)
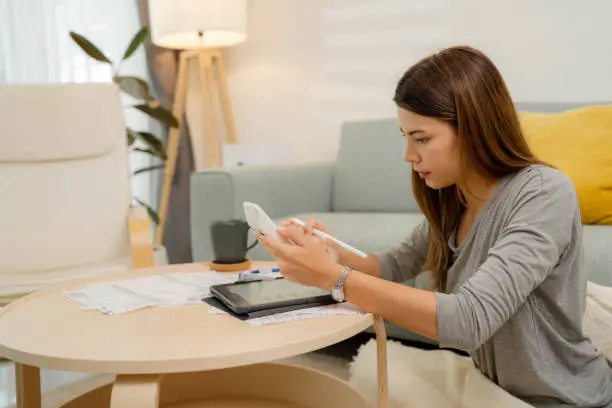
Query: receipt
point(203, 280)
point(114, 298)
point(301, 314)
point(107, 299)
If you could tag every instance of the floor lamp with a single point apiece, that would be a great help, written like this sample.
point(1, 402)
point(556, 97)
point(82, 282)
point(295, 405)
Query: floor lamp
point(199, 29)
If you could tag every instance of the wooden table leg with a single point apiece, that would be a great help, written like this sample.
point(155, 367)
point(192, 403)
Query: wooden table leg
point(381, 356)
point(136, 391)
point(27, 380)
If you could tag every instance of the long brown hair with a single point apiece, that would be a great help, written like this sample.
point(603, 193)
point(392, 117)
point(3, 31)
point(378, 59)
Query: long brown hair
point(461, 86)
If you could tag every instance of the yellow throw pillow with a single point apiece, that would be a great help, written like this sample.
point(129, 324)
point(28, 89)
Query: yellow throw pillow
point(579, 143)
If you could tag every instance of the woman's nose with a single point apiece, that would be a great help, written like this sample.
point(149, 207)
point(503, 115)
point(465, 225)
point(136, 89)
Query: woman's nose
point(410, 156)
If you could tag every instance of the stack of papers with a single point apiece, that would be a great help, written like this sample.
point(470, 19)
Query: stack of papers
point(301, 314)
point(114, 298)
point(118, 297)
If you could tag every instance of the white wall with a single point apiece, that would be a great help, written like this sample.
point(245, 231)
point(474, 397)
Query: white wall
point(308, 65)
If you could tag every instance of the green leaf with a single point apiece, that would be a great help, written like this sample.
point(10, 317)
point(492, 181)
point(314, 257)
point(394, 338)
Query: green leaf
point(150, 168)
point(159, 155)
point(89, 48)
point(134, 86)
point(135, 43)
point(152, 142)
point(130, 138)
point(160, 113)
point(152, 214)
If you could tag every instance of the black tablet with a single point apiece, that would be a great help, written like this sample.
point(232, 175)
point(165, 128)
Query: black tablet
point(252, 296)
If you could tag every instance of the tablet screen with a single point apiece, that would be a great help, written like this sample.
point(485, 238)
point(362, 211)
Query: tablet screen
point(273, 291)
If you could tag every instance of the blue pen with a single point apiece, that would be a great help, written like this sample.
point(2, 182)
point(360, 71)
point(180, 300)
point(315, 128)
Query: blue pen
point(248, 275)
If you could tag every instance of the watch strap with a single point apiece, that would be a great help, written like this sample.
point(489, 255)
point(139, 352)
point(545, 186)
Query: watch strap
point(343, 275)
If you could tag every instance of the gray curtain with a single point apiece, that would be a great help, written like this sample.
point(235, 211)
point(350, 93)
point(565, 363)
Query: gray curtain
point(163, 68)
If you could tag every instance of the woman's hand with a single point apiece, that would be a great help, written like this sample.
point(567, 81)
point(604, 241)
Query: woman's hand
point(312, 224)
point(307, 262)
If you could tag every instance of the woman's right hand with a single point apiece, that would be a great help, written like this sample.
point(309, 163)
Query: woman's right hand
point(367, 265)
point(312, 224)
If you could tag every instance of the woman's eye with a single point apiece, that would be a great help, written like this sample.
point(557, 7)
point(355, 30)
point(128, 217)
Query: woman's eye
point(421, 139)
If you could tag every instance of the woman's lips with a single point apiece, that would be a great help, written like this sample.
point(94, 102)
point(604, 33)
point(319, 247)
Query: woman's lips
point(424, 174)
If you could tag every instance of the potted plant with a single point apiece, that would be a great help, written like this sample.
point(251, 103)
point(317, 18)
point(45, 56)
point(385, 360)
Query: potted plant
point(143, 142)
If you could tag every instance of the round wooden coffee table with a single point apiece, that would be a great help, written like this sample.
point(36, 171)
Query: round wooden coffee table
point(177, 356)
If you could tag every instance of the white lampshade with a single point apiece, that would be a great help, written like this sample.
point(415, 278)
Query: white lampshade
point(189, 24)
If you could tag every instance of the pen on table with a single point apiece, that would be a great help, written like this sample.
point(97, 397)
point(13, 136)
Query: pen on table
point(258, 271)
point(255, 274)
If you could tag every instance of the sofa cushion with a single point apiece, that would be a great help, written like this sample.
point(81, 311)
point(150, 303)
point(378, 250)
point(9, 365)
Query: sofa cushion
point(370, 173)
point(370, 232)
point(579, 143)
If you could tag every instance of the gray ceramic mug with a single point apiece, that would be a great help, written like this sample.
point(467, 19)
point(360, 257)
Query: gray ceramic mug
point(230, 241)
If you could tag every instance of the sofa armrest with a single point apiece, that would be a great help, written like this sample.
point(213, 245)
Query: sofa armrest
point(279, 190)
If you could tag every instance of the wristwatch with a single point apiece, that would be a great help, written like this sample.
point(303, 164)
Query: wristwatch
point(338, 289)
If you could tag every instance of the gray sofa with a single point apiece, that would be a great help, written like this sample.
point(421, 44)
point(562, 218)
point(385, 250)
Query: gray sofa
point(364, 197)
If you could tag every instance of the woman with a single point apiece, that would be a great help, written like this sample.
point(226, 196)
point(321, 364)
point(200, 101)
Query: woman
point(501, 239)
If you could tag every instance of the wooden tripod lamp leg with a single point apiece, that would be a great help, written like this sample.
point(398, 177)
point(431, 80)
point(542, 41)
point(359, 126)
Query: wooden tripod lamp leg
point(381, 355)
point(226, 108)
point(211, 85)
point(174, 136)
point(212, 141)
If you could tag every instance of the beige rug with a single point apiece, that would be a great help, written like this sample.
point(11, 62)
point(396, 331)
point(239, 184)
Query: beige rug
point(321, 362)
point(427, 378)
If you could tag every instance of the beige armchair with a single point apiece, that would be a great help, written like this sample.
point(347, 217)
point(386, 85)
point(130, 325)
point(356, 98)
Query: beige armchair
point(65, 211)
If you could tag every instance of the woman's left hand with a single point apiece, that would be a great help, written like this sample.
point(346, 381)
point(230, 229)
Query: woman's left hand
point(307, 262)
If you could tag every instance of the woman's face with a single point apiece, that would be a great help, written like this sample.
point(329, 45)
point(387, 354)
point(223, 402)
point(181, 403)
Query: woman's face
point(432, 149)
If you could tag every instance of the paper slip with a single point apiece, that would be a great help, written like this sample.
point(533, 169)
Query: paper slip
point(114, 298)
point(309, 313)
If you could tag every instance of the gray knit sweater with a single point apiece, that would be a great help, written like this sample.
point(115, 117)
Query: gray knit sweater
point(516, 293)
